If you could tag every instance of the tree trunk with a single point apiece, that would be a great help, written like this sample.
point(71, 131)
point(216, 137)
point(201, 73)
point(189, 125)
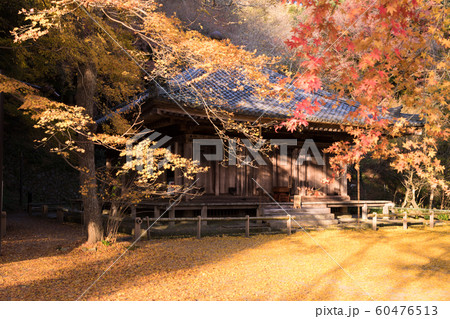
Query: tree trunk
point(358, 195)
point(413, 197)
point(405, 201)
point(86, 86)
point(431, 198)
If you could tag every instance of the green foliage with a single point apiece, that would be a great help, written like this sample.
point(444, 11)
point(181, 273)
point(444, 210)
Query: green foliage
point(106, 243)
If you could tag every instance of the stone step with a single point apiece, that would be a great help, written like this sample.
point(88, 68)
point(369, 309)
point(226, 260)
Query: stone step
point(278, 224)
point(314, 217)
point(306, 216)
point(325, 222)
point(332, 198)
point(275, 206)
point(298, 211)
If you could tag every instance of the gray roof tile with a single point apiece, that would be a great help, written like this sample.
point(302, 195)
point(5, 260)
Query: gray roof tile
point(240, 98)
point(229, 91)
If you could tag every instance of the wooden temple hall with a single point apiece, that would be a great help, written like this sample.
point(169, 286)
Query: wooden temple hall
point(230, 190)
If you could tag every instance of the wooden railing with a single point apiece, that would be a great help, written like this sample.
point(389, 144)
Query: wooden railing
point(389, 216)
point(403, 217)
point(139, 232)
point(59, 208)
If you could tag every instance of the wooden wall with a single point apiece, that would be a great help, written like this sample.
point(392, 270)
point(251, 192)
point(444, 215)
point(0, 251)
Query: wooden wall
point(225, 180)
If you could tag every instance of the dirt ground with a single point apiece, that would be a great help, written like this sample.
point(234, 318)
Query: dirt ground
point(47, 261)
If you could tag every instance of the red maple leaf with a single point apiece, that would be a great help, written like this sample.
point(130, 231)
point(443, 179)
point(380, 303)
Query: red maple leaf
point(382, 11)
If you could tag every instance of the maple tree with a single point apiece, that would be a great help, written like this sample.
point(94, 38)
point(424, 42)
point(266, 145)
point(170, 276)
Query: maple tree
point(421, 166)
point(381, 55)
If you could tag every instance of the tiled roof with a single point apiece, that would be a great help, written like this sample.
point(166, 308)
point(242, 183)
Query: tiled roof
point(230, 92)
point(241, 98)
point(137, 100)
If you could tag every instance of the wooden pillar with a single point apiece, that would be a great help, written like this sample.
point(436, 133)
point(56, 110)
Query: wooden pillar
point(60, 215)
point(247, 226)
point(204, 214)
point(259, 213)
point(1, 165)
point(238, 181)
point(358, 188)
point(364, 212)
point(405, 221)
point(297, 201)
point(3, 223)
point(289, 225)
point(374, 221)
point(274, 171)
point(172, 215)
point(294, 166)
point(324, 172)
point(343, 183)
point(133, 211)
point(242, 180)
point(44, 211)
point(177, 176)
point(188, 148)
point(29, 209)
point(301, 173)
point(199, 227)
point(147, 230)
point(156, 212)
point(137, 228)
point(217, 178)
point(386, 211)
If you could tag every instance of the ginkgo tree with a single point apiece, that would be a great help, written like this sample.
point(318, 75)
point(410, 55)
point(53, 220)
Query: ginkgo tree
point(96, 37)
point(383, 55)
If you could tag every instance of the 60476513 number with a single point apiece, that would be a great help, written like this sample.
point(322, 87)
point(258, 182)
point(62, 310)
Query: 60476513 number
point(405, 310)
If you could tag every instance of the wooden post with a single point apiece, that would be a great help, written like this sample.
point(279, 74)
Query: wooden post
point(137, 228)
point(172, 215)
point(247, 226)
point(1, 164)
point(156, 212)
point(432, 219)
point(297, 201)
point(21, 180)
point(386, 211)
point(3, 224)
point(60, 215)
point(217, 179)
point(358, 190)
point(289, 224)
point(133, 211)
point(405, 221)
point(204, 214)
point(199, 227)
point(44, 211)
point(148, 227)
point(259, 213)
point(364, 212)
point(29, 207)
point(374, 221)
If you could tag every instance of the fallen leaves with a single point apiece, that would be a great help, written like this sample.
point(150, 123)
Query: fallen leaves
point(388, 264)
